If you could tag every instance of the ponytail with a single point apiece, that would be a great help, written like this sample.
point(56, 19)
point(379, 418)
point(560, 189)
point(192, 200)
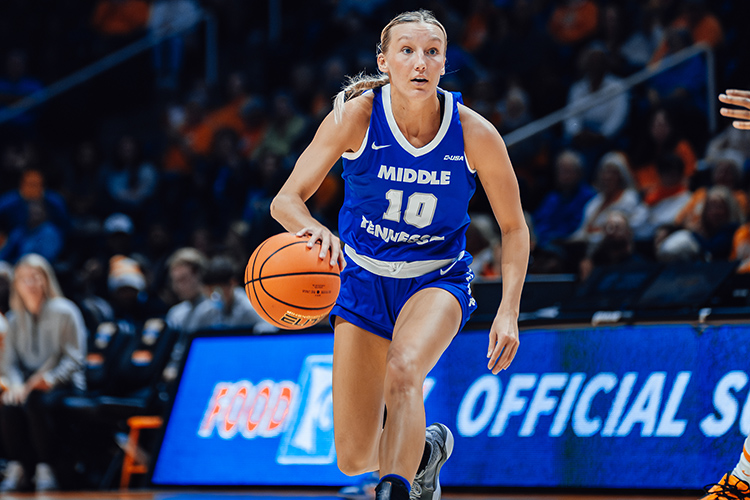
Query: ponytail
point(356, 86)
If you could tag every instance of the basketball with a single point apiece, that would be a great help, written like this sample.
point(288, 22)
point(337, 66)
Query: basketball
point(288, 284)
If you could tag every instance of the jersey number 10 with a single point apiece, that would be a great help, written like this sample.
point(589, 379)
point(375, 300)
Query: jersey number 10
point(420, 208)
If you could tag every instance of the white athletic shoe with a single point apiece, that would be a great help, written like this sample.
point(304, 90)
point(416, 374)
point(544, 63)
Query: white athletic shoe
point(426, 485)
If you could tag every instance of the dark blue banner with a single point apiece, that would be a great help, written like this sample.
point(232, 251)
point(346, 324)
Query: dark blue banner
point(620, 407)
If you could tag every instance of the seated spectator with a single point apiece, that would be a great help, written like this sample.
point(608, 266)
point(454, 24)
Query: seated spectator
point(719, 235)
point(730, 138)
point(662, 138)
point(573, 21)
point(127, 292)
point(38, 235)
point(117, 18)
point(170, 21)
point(44, 358)
point(667, 199)
point(285, 129)
point(704, 27)
point(561, 211)
point(596, 126)
point(228, 306)
point(627, 50)
point(726, 170)
point(615, 193)
point(187, 268)
point(14, 204)
point(616, 246)
point(14, 86)
point(685, 82)
point(130, 180)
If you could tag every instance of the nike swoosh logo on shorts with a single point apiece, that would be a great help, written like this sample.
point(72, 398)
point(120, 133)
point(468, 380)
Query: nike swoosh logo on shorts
point(443, 271)
point(376, 147)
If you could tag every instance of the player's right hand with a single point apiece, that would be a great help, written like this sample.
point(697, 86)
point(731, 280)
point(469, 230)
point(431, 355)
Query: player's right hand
point(328, 242)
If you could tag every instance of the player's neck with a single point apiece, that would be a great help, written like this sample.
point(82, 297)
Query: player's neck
point(418, 119)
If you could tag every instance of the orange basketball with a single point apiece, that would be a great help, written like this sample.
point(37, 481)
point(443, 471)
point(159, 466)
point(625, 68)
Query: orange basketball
point(288, 284)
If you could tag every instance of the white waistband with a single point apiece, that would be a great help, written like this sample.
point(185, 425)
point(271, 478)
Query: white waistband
point(399, 269)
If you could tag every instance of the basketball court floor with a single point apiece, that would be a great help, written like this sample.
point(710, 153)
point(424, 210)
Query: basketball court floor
point(316, 495)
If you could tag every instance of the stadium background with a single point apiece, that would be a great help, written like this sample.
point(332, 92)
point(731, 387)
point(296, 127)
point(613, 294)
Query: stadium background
point(217, 114)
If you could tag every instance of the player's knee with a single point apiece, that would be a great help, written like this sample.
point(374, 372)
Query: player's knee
point(402, 374)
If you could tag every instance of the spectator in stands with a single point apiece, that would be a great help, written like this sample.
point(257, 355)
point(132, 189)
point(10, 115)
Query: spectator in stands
point(615, 193)
point(227, 180)
point(127, 292)
point(14, 86)
point(253, 113)
point(726, 170)
point(561, 211)
point(187, 268)
point(171, 21)
point(38, 235)
point(130, 180)
point(285, 129)
point(730, 138)
point(702, 25)
point(120, 18)
point(574, 21)
point(686, 82)
point(6, 278)
point(628, 50)
point(616, 246)
point(667, 199)
point(597, 127)
point(44, 357)
point(227, 305)
point(83, 192)
point(661, 138)
point(720, 219)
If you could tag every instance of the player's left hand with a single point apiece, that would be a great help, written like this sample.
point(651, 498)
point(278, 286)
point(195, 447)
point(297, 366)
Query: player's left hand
point(737, 98)
point(503, 342)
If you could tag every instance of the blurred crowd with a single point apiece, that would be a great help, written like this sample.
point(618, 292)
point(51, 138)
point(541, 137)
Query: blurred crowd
point(140, 194)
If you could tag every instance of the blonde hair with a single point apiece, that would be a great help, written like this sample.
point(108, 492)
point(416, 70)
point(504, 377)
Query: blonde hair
point(191, 257)
point(359, 84)
point(51, 286)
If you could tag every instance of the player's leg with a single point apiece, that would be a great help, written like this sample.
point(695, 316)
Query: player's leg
point(735, 484)
point(359, 360)
point(424, 329)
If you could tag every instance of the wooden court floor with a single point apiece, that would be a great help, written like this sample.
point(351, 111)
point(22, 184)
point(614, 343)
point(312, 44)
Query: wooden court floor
point(313, 495)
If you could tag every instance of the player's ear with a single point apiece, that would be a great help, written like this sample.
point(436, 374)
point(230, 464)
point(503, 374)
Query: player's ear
point(442, 71)
point(382, 65)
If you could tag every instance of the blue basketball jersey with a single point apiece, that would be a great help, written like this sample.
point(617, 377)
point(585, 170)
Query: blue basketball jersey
point(404, 203)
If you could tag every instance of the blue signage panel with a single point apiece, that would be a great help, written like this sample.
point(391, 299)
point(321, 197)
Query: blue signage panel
point(619, 407)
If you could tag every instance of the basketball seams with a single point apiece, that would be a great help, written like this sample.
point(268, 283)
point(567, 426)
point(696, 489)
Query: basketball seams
point(257, 299)
point(258, 289)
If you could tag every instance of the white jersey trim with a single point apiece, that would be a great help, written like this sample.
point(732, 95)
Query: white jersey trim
point(409, 147)
point(399, 269)
point(356, 154)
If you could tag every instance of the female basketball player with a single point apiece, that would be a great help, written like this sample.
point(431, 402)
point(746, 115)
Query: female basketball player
point(411, 156)
point(735, 484)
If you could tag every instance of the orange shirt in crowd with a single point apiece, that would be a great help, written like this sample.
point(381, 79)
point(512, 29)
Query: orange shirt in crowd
point(647, 177)
point(574, 22)
point(740, 247)
point(120, 17)
point(708, 30)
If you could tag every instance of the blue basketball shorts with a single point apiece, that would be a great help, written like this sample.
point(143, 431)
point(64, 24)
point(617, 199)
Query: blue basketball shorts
point(373, 302)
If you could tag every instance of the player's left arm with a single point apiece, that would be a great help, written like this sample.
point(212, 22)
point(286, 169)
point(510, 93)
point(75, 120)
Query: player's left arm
point(487, 154)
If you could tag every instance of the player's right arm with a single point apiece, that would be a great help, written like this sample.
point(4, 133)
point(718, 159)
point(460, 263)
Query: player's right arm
point(331, 141)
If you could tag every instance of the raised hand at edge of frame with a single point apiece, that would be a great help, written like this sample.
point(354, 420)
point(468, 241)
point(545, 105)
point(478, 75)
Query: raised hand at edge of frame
point(737, 98)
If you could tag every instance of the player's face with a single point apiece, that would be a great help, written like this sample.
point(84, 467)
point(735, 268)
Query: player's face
point(415, 57)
